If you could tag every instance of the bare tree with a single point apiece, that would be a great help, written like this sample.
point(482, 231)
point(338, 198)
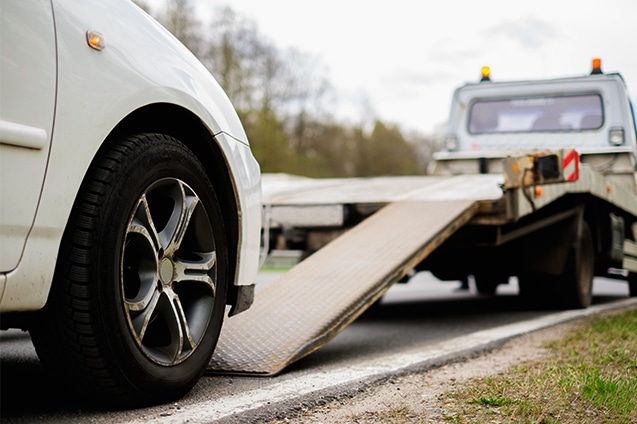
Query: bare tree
point(283, 99)
point(179, 18)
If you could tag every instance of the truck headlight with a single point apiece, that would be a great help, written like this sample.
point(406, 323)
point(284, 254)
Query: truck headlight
point(616, 136)
point(451, 142)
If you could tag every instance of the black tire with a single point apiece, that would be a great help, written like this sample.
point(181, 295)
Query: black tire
point(632, 284)
point(535, 289)
point(576, 283)
point(487, 284)
point(573, 288)
point(139, 292)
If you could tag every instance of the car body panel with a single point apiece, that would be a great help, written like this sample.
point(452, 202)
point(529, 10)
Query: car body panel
point(28, 71)
point(142, 64)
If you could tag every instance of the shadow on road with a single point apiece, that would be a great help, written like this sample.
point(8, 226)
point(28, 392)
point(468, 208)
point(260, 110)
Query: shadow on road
point(28, 393)
point(399, 325)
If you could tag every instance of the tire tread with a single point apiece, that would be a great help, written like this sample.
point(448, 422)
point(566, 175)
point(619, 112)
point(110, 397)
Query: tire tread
point(69, 336)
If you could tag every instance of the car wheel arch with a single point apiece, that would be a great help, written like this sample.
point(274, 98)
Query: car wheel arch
point(185, 126)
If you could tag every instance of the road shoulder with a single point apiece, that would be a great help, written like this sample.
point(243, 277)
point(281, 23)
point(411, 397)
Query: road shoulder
point(418, 395)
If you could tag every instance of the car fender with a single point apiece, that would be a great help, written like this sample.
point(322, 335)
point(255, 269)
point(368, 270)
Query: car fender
point(141, 64)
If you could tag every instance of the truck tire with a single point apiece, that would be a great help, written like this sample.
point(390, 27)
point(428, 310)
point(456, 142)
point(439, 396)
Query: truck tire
point(487, 284)
point(576, 283)
point(140, 288)
point(632, 284)
point(534, 289)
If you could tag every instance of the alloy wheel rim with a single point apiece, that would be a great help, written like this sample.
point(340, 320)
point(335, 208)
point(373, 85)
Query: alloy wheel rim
point(168, 272)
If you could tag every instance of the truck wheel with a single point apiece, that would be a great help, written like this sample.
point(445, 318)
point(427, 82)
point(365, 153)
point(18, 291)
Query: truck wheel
point(576, 283)
point(139, 292)
point(632, 284)
point(487, 284)
point(534, 289)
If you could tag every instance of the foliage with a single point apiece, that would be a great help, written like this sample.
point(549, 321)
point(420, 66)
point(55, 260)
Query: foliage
point(283, 99)
point(590, 377)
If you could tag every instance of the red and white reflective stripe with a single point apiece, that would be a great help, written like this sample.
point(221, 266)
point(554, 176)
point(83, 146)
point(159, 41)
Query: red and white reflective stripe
point(571, 166)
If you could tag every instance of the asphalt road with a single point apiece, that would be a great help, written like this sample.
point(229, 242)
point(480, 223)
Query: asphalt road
point(412, 318)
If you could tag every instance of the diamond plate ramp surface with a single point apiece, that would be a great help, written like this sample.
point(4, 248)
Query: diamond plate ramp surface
point(312, 302)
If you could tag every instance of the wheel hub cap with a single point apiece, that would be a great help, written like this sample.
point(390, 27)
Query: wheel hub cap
point(166, 271)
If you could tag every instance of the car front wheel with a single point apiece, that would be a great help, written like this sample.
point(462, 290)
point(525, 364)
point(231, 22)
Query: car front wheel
point(139, 292)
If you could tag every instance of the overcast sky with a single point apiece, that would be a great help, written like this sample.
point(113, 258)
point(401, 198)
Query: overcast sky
point(405, 57)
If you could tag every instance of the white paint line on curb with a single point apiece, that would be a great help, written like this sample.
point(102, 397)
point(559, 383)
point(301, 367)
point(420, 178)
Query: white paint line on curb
point(366, 370)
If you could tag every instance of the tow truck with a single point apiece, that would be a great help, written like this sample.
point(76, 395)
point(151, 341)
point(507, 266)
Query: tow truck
point(536, 181)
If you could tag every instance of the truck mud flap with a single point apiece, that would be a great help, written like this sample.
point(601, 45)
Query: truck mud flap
point(315, 300)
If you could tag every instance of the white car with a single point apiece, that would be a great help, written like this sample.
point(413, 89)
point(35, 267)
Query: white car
point(130, 199)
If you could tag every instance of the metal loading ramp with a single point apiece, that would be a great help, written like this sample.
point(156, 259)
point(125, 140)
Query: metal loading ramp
point(312, 302)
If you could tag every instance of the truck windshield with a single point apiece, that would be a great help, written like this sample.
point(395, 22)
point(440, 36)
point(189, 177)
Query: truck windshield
point(536, 114)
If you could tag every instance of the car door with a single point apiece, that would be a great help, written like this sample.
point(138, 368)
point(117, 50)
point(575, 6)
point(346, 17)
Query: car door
point(27, 107)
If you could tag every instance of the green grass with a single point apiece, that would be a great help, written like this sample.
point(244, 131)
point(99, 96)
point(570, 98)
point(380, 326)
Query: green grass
point(271, 268)
point(497, 400)
point(590, 377)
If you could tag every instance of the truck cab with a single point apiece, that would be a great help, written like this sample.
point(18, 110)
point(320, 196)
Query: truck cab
point(491, 120)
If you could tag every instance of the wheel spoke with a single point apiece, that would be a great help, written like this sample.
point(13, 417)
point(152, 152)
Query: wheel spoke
point(186, 340)
point(139, 275)
point(141, 315)
point(177, 323)
point(143, 223)
point(197, 270)
point(145, 295)
point(190, 203)
point(172, 234)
